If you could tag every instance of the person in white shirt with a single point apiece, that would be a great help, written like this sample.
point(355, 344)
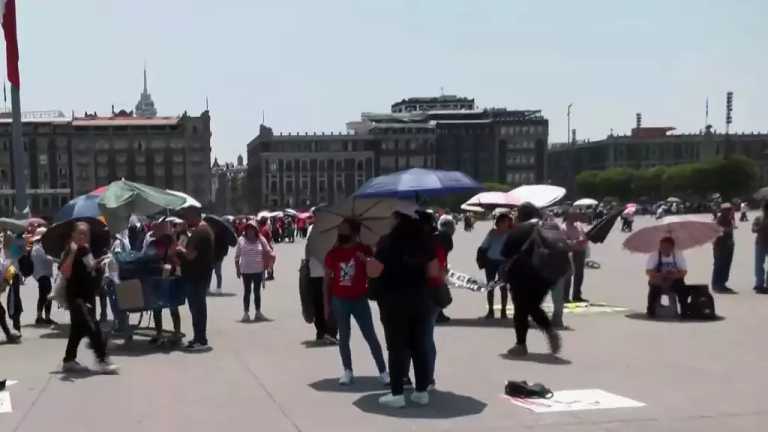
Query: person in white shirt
point(252, 256)
point(43, 274)
point(325, 330)
point(666, 270)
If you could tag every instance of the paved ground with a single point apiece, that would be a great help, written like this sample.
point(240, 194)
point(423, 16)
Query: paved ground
point(692, 376)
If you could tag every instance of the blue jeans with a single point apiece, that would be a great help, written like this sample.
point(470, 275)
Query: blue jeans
point(344, 309)
point(121, 318)
point(198, 308)
point(217, 272)
point(760, 253)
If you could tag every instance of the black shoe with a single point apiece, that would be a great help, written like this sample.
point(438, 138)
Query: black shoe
point(40, 321)
point(724, 290)
point(580, 300)
point(154, 340)
point(49, 321)
point(489, 315)
point(554, 341)
point(503, 314)
point(761, 290)
point(13, 339)
point(442, 318)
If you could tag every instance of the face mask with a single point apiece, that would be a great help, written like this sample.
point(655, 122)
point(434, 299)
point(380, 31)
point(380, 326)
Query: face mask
point(344, 238)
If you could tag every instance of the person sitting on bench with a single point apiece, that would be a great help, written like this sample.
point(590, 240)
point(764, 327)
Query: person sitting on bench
point(666, 270)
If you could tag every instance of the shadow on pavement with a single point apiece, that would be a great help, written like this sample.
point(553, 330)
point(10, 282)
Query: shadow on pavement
point(60, 331)
point(365, 384)
point(142, 348)
point(254, 321)
point(318, 344)
point(643, 317)
point(543, 358)
point(224, 294)
point(73, 377)
point(477, 322)
point(442, 405)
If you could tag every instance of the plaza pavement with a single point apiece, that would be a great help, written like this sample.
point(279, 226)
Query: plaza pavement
point(703, 376)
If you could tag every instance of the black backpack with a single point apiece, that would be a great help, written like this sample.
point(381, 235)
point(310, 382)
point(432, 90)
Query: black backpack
point(521, 389)
point(548, 251)
point(26, 266)
point(701, 304)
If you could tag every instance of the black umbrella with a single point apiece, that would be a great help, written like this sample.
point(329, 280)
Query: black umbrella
point(600, 230)
point(57, 238)
point(222, 229)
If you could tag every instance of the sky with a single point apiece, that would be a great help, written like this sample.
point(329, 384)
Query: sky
point(314, 65)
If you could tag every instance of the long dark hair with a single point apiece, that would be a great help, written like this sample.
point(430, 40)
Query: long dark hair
point(409, 237)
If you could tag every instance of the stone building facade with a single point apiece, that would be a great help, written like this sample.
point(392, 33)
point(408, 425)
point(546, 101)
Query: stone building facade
point(651, 147)
point(229, 192)
point(68, 157)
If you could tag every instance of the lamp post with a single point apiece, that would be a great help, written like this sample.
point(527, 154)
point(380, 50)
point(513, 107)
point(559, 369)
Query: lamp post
point(572, 169)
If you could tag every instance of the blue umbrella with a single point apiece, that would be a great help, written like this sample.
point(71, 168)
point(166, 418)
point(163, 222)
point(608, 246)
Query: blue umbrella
point(84, 206)
point(418, 183)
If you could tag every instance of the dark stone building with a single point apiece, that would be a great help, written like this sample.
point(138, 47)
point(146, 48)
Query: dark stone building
point(650, 147)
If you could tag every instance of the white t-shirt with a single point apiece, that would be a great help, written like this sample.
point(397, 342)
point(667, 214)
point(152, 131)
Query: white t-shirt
point(676, 261)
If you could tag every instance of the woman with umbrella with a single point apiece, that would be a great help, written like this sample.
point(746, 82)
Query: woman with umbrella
point(345, 291)
point(80, 270)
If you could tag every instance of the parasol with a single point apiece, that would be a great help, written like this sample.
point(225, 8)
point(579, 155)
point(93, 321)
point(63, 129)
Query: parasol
point(58, 236)
point(222, 230)
point(418, 183)
point(586, 202)
point(539, 195)
point(687, 231)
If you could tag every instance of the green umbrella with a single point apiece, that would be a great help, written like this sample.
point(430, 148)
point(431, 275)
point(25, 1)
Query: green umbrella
point(124, 198)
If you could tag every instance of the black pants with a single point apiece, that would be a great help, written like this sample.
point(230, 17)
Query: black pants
point(13, 301)
point(579, 260)
point(527, 299)
point(322, 326)
point(406, 339)
point(682, 292)
point(3, 322)
point(82, 317)
point(723, 258)
point(157, 316)
point(252, 280)
point(44, 288)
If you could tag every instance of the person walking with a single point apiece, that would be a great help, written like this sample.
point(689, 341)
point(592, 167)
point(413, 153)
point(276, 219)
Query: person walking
point(493, 260)
point(196, 265)
point(7, 275)
point(43, 274)
point(529, 288)
point(446, 227)
point(744, 207)
point(252, 256)
point(577, 240)
point(325, 329)
point(79, 268)
point(722, 249)
point(760, 229)
point(346, 289)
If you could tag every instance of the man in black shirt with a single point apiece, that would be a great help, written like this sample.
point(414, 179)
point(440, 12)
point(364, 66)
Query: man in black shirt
point(528, 287)
point(722, 250)
point(197, 260)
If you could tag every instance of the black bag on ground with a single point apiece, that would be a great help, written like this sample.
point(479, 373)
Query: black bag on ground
point(548, 251)
point(701, 304)
point(26, 266)
point(522, 389)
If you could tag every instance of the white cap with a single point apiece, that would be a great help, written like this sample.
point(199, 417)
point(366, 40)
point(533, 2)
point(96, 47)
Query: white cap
point(408, 208)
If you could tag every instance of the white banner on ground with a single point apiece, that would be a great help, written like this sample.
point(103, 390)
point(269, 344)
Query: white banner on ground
point(5, 402)
point(576, 400)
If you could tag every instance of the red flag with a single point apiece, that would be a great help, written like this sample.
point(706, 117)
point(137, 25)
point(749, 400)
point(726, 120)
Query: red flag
point(11, 42)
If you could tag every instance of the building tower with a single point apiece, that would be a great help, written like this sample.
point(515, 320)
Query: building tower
point(146, 106)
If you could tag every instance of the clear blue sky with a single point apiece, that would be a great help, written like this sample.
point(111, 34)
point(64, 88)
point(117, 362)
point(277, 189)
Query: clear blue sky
point(313, 65)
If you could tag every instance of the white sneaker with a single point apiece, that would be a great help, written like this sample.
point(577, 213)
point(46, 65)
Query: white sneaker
point(431, 387)
point(421, 398)
point(218, 291)
point(73, 367)
point(346, 379)
point(106, 367)
point(384, 378)
point(245, 317)
point(258, 316)
point(392, 401)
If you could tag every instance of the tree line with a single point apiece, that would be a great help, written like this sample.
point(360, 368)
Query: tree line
point(732, 177)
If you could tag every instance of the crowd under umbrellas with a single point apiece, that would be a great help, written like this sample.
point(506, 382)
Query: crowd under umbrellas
point(359, 241)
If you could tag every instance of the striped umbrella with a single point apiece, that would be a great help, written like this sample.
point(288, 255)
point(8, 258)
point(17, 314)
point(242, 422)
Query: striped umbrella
point(84, 206)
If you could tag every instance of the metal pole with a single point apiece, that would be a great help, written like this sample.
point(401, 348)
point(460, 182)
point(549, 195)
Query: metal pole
point(21, 209)
point(572, 169)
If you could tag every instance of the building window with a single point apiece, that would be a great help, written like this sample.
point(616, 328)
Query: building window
point(3, 174)
point(62, 172)
point(289, 165)
point(178, 170)
point(322, 185)
point(44, 202)
point(289, 187)
point(273, 187)
point(43, 159)
point(101, 171)
point(159, 171)
point(360, 166)
point(339, 165)
point(304, 165)
point(141, 170)
point(340, 183)
point(322, 165)
point(159, 158)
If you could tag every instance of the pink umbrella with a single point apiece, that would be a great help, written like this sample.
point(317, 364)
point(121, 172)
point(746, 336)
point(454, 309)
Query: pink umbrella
point(491, 199)
point(630, 205)
point(688, 232)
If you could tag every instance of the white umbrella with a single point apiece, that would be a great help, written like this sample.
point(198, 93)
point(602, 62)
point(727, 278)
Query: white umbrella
point(585, 202)
point(539, 195)
point(674, 200)
point(290, 212)
point(373, 214)
point(471, 208)
point(491, 199)
point(188, 200)
point(687, 231)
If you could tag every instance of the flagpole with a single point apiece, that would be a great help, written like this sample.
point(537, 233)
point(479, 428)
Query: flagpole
point(21, 208)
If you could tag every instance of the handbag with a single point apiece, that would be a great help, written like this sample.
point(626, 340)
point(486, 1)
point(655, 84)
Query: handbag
point(481, 257)
point(522, 389)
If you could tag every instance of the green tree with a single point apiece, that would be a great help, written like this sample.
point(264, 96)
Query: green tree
point(587, 184)
point(648, 183)
point(735, 176)
point(616, 182)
